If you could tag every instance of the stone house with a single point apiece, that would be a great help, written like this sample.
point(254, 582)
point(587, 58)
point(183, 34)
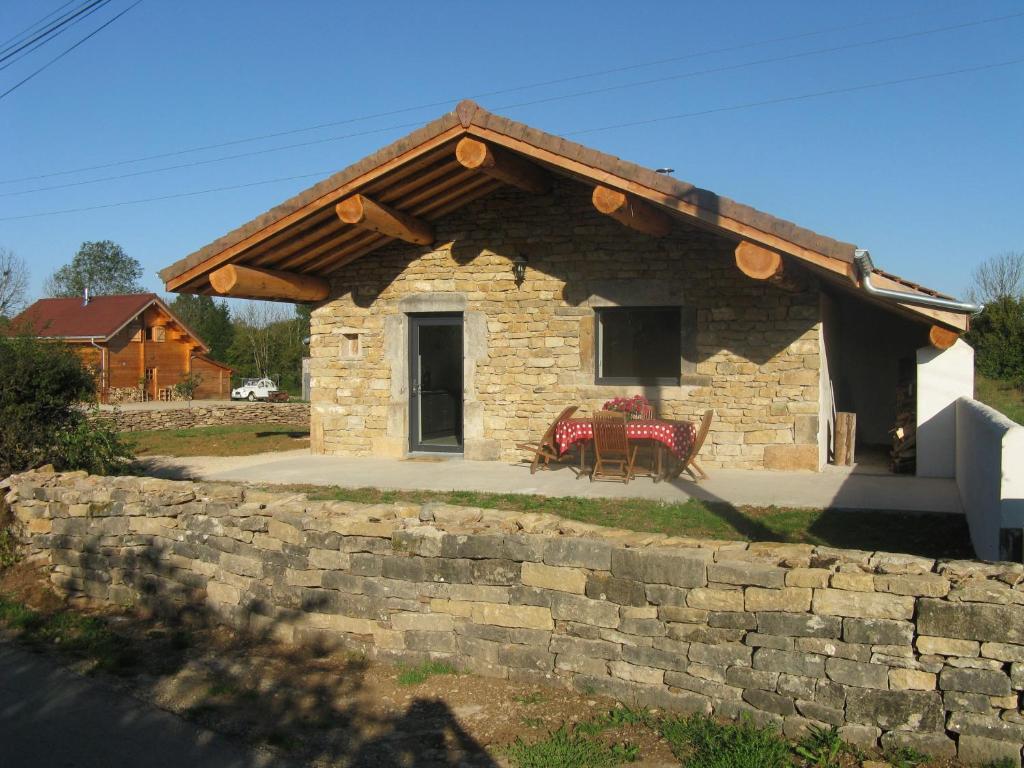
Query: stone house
point(138, 347)
point(476, 276)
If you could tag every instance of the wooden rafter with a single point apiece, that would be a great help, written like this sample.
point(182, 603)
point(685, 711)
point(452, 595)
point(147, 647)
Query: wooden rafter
point(761, 263)
point(253, 283)
point(502, 165)
point(942, 338)
point(361, 211)
point(631, 211)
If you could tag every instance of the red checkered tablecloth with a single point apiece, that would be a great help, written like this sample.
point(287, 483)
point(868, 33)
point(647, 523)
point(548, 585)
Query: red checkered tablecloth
point(677, 436)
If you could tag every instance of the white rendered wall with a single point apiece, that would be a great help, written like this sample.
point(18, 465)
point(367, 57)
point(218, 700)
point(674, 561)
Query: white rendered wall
point(989, 473)
point(943, 376)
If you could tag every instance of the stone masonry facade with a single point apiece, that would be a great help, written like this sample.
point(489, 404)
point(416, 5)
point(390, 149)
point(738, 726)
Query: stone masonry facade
point(891, 649)
point(750, 350)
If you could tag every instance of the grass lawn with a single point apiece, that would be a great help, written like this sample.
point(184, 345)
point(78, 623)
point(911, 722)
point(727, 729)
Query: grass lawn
point(1001, 395)
point(235, 440)
point(928, 535)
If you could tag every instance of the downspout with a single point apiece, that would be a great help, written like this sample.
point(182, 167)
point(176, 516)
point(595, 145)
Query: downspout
point(862, 260)
point(103, 359)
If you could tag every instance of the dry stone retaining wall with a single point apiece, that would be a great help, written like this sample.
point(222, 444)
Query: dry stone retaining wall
point(136, 420)
point(891, 648)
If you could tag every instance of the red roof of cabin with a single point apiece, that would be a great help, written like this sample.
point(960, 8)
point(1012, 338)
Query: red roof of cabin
point(72, 318)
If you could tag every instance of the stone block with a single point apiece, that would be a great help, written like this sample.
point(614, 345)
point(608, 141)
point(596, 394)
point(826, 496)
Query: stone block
point(526, 616)
point(426, 640)
point(732, 620)
point(745, 573)
point(977, 750)
point(796, 686)
point(1002, 651)
point(578, 552)
point(654, 657)
point(674, 567)
point(747, 677)
point(553, 577)
point(770, 702)
point(724, 655)
point(808, 577)
point(987, 726)
point(788, 599)
point(878, 631)
point(862, 605)
point(222, 593)
point(622, 591)
point(636, 674)
point(821, 713)
point(862, 736)
point(799, 624)
point(853, 581)
point(857, 674)
point(757, 640)
point(791, 457)
point(912, 680)
point(947, 646)
point(428, 622)
point(282, 531)
point(706, 599)
point(576, 646)
point(642, 627)
point(791, 662)
point(329, 559)
point(895, 710)
point(931, 744)
point(971, 621)
point(566, 607)
point(987, 681)
point(923, 585)
point(526, 657)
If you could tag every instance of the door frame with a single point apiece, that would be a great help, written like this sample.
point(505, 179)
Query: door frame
point(417, 320)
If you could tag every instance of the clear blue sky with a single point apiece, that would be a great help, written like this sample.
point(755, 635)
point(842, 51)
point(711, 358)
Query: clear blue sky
point(927, 175)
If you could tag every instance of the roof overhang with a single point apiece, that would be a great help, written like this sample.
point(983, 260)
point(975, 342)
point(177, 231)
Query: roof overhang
point(289, 251)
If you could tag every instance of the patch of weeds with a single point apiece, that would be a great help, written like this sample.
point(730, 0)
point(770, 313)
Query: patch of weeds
point(618, 718)
point(904, 757)
point(588, 689)
point(530, 698)
point(18, 616)
point(533, 722)
point(569, 749)
point(700, 741)
point(1003, 762)
point(83, 636)
point(821, 747)
point(428, 669)
point(8, 548)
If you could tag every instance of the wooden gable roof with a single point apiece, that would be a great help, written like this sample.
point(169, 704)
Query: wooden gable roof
point(399, 190)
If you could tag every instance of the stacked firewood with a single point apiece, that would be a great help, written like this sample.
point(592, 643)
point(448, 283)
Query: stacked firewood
point(903, 456)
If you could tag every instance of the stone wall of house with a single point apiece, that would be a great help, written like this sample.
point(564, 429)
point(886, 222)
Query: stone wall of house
point(225, 414)
point(892, 649)
point(751, 349)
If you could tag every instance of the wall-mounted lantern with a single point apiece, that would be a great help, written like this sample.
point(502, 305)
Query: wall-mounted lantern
point(519, 269)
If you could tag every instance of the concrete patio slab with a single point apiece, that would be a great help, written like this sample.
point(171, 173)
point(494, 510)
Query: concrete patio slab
point(835, 488)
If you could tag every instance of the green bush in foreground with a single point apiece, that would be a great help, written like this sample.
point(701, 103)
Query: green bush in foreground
point(570, 749)
point(42, 384)
point(416, 675)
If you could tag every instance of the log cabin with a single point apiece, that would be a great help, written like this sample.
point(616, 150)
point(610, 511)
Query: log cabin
point(136, 345)
point(474, 277)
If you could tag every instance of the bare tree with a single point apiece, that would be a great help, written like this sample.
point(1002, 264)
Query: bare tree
point(255, 325)
point(999, 276)
point(13, 283)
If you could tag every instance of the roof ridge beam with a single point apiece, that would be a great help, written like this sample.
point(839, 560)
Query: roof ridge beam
point(360, 211)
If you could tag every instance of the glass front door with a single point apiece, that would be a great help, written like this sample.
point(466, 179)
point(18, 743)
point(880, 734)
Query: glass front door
point(435, 383)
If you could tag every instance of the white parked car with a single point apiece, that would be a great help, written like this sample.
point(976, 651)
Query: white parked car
point(254, 389)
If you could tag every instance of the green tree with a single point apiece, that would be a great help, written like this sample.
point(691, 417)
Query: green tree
point(997, 335)
point(101, 266)
point(269, 341)
point(44, 383)
point(210, 319)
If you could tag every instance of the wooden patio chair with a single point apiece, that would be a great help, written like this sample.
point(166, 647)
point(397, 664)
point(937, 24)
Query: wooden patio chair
point(689, 462)
point(612, 448)
point(546, 450)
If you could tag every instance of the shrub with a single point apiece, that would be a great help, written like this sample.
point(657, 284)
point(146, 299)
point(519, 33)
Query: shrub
point(702, 742)
point(42, 384)
point(997, 335)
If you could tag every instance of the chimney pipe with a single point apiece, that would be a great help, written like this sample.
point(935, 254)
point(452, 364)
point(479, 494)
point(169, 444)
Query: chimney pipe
point(85, 302)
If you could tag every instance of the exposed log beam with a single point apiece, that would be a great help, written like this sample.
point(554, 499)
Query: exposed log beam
point(502, 165)
point(253, 283)
point(361, 211)
point(631, 211)
point(942, 338)
point(761, 263)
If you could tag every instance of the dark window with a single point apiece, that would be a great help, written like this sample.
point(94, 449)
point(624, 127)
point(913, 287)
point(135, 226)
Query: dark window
point(638, 345)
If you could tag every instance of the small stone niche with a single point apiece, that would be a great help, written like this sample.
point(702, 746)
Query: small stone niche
point(351, 345)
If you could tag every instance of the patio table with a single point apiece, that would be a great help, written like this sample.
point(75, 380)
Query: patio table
point(675, 436)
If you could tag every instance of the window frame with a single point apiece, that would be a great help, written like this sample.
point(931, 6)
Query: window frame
point(658, 381)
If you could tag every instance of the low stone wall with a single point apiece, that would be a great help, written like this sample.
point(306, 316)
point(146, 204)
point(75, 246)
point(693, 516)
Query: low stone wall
point(891, 648)
point(138, 419)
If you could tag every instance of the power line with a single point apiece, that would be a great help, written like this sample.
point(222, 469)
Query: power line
point(66, 51)
point(487, 94)
point(665, 118)
point(54, 36)
point(54, 26)
point(546, 100)
point(35, 24)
